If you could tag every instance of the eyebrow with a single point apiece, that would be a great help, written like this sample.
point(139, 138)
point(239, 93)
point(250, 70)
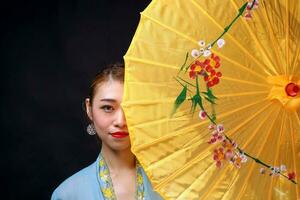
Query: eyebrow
point(109, 100)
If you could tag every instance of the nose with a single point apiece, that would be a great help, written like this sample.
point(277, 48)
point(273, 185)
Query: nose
point(120, 120)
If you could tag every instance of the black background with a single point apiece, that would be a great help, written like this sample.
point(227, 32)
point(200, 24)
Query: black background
point(50, 51)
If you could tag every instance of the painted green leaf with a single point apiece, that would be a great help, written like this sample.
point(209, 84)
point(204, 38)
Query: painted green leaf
point(210, 94)
point(212, 101)
point(196, 100)
point(180, 99)
point(242, 9)
point(186, 58)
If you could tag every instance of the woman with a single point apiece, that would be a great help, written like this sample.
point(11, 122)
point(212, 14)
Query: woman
point(115, 174)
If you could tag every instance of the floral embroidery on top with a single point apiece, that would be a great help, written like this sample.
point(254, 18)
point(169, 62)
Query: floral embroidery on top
point(140, 194)
point(106, 184)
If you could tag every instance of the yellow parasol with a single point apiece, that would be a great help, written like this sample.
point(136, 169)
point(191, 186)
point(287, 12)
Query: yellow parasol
point(237, 64)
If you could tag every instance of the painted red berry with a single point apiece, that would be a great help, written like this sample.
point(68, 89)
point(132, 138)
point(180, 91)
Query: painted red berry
point(219, 74)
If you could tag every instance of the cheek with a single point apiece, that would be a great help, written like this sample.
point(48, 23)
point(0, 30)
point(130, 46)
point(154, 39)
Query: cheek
point(101, 120)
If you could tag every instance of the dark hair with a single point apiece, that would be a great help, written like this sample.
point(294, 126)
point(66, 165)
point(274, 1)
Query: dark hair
point(110, 72)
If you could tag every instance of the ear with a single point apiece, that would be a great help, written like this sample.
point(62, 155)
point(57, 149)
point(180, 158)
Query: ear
point(88, 108)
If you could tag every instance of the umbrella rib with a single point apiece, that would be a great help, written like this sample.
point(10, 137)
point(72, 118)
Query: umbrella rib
point(181, 170)
point(184, 169)
point(169, 28)
point(295, 60)
point(183, 131)
point(222, 96)
point(194, 41)
point(242, 81)
point(239, 196)
point(147, 102)
point(217, 183)
point(171, 100)
point(145, 61)
point(272, 35)
point(294, 152)
point(191, 143)
point(154, 83)
point(152, 122)
point(292, 35)
point(297, 118)
point(277, 152)
point(245, 122)
point(260, 47)
point(296, 10)
point(194, 183)
point(214, 184)
point(241, 94)
point(229, 35)
point(287, 36)
point(242, 66)
point(176, 68)
point(166, 137)
point(230, 186)
point(182, 150)
point(255, 131)
point(194, 140)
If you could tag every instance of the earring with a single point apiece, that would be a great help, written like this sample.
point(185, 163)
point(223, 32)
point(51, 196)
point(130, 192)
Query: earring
point(90, 129)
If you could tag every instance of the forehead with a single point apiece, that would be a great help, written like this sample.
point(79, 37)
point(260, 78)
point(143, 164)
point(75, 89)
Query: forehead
point(110, 89)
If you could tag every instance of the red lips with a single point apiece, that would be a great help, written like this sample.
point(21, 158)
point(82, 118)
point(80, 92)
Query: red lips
point(119, 134)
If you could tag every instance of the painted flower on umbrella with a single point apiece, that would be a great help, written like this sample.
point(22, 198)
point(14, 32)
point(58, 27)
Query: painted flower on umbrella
point(229, 152)
point(219, 156)
point(276, 171)
point(197, 68)
point(217, 133)
point(206, 63)
point(291, 175)
point(238, 159)
point(202, 114)
point(252, 4)
point(212, 76)
point(229, 148)
point(207, 69)
point(215, 136)
point(233, 155)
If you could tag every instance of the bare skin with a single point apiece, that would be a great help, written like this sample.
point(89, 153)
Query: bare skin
point(123, 174)
point(108, 118)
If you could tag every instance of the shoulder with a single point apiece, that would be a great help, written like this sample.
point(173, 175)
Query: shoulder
point(81, 185)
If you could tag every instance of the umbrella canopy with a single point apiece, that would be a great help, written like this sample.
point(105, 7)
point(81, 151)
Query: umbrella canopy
point(235, 63)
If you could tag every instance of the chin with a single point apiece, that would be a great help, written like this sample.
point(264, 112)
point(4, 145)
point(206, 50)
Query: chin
point(121, 147)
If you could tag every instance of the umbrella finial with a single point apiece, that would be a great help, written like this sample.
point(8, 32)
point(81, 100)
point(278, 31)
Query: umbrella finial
point(292, 89)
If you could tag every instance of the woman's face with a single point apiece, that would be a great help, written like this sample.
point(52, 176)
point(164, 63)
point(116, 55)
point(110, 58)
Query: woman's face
point(108, 117)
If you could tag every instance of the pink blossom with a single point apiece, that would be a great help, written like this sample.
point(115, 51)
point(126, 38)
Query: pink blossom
point(202, 114)
point(220, 128)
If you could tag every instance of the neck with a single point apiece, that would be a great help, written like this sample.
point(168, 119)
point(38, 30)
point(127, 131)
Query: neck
point(118, 160)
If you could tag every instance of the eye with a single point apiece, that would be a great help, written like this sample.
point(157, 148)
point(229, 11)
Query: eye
point(107, 108)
